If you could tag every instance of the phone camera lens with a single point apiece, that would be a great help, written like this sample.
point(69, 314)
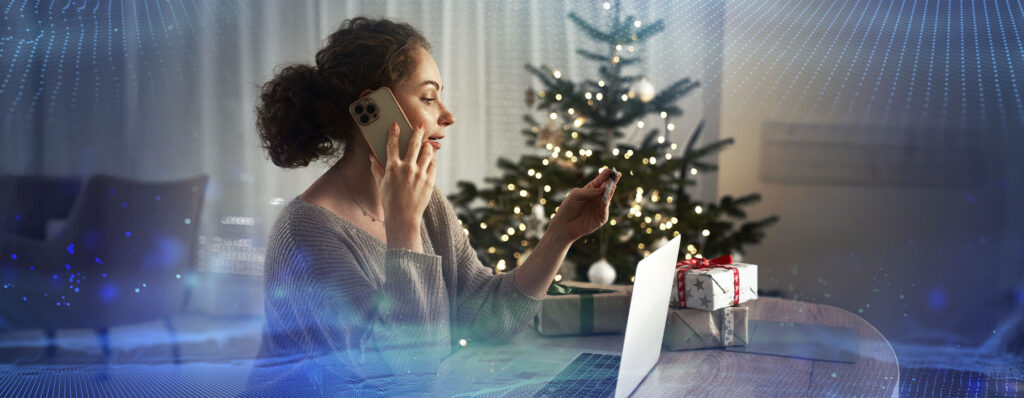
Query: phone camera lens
point(359, 109)
point(371, 108)
point(363, 118)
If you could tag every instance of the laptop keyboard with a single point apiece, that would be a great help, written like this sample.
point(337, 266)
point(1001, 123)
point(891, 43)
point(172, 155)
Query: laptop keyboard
point(589, 375)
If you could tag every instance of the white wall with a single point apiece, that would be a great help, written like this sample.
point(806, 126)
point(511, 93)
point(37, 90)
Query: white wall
point(921, 253)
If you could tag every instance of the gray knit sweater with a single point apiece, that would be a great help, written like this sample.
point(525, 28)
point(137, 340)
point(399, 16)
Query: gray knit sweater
point(337, 296)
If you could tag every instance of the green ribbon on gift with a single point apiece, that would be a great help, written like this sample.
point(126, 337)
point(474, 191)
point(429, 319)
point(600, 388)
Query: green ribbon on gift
point(586, 302)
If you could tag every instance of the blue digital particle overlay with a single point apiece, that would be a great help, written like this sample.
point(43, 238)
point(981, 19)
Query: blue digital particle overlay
point(900, 63)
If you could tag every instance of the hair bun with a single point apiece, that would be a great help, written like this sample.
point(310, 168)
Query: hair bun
point(290, 117)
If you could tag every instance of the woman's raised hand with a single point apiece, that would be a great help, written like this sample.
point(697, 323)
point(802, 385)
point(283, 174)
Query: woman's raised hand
point(583, 210)
point(405, 186)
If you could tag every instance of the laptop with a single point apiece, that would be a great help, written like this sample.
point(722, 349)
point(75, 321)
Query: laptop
point(594, 374)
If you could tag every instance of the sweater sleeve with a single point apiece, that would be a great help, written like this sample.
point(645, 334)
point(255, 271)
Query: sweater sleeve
point(385, 333)
point(489, 306)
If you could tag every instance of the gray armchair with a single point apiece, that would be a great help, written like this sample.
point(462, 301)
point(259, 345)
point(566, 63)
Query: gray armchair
point(123, 256)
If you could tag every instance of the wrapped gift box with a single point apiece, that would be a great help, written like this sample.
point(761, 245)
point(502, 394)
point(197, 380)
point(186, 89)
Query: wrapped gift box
point(688, 329)
point(716, 286)
point(588, 313)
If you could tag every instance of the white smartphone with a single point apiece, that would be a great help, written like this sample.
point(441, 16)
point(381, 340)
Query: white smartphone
point(374, 114)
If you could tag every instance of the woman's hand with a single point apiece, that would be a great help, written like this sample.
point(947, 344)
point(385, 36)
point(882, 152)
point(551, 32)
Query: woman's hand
point(405, 186)
point(583, 211)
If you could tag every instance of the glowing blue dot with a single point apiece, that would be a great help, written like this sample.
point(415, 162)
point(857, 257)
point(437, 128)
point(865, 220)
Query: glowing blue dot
point(177, 276)
point(58, 303)
point(23, 298)
point(71, 248)
point(104, 274)
point(76, 290)
point(14, 256)
point(937, 298)
point(136, 290)
point(17, 216)
point(157, 197)
point(5, 286)
point(188, 221)
point(54, 276)
point(127, 234)
point(143, 285)
point(32, 268)
point(124, 204)
point(97, 259)
point(67, 266)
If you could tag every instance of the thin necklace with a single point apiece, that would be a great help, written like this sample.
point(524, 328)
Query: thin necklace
point(365, 213)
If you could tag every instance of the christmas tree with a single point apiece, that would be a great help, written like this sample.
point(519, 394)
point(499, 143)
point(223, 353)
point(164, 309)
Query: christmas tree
point(579, 139)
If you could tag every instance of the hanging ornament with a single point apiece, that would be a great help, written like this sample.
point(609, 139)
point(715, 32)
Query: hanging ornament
point(550, 133)
point(626, 236)
point(659, 243)
point(531, 97)
point(642, 89)
point(601, 272)
point(536, 222)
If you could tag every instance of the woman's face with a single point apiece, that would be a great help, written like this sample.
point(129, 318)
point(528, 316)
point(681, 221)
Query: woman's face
point(420, 97)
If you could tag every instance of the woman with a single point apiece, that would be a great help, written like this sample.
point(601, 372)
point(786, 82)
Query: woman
point(368, 272)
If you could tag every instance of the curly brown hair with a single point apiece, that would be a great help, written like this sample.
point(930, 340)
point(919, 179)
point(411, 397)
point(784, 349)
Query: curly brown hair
point(302, 112)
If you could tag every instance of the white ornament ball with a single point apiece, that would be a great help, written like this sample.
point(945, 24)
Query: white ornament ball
point(601, 272)
point(642, 89)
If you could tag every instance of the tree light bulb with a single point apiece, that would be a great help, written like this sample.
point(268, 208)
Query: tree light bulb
point(553, 116)
point(705, 232)
point(557, 74)
point(698, 209)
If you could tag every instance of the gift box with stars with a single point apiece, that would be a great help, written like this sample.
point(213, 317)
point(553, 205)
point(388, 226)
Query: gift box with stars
point(713, 284)
point(690, 329)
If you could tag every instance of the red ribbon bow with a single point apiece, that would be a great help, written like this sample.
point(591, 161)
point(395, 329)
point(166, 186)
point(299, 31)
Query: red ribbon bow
point(702, 263)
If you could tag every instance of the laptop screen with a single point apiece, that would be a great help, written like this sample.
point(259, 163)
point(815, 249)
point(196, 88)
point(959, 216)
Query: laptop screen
point(648, 309)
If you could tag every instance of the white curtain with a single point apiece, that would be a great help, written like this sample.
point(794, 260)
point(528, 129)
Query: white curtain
point(166, 89)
